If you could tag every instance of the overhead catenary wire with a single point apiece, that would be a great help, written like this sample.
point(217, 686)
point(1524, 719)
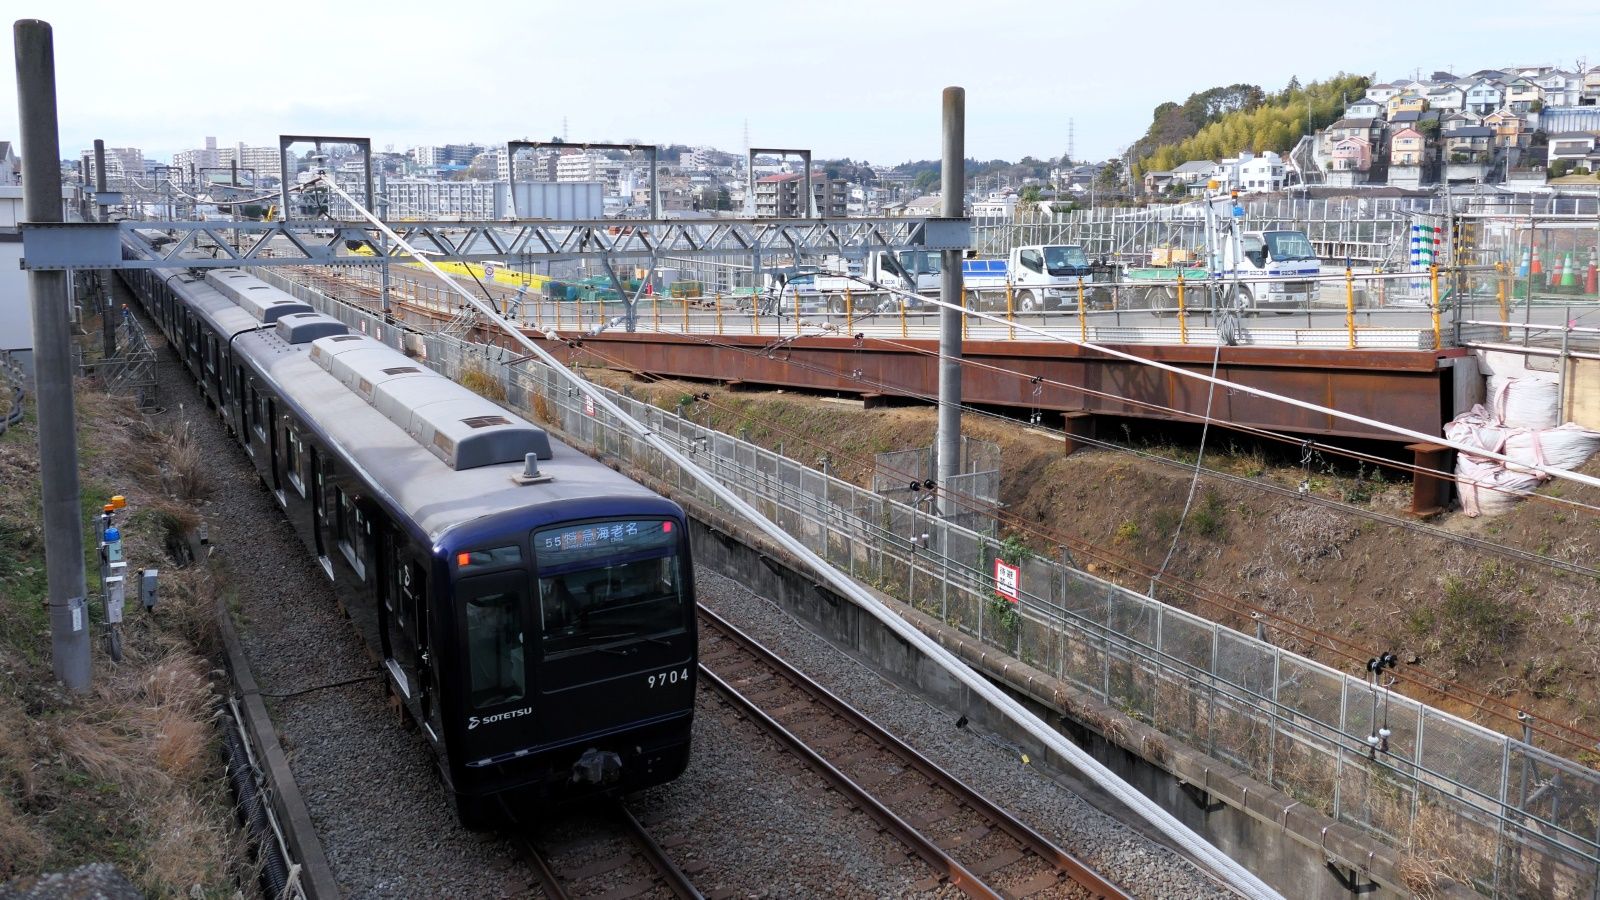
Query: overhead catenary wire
point(1220, 863)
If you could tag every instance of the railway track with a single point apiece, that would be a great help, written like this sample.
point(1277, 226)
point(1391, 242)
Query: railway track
point(968, 841)
point(615, 863)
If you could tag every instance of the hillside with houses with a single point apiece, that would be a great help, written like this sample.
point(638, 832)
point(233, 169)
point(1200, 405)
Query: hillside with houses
point(1518, 127)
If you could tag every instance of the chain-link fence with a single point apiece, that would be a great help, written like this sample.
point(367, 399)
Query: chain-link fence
point(902, 476)
point(1472, 804)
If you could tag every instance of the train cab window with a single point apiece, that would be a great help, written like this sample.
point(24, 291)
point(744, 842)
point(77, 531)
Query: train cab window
point(497, 667)
point(606, 582)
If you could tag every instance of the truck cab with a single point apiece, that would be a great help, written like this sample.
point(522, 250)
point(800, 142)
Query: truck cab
point(1287, 258)
point(1046, 276)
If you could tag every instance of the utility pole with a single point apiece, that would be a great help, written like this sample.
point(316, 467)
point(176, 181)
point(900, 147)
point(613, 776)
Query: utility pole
point(953, 205)
point(52, 343)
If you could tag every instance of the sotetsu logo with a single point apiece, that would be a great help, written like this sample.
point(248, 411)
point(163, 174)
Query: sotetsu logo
point(474, 721)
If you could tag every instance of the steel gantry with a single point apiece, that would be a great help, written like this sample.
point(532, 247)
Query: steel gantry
point(161, 245)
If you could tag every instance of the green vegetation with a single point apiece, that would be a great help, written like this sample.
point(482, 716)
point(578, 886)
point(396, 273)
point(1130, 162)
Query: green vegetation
point(1223, 121)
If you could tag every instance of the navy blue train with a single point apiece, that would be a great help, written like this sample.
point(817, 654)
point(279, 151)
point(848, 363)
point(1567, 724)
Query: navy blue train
point(540, 630)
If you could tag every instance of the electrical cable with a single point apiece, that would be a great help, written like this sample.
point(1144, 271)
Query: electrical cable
point(1194, 483)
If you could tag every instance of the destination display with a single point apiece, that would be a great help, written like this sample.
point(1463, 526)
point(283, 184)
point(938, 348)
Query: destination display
point(569, 544)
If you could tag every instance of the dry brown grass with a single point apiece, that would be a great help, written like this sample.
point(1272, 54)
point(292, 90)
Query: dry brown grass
point(129, 773)
point(483, 383)
point(186, 474)
point(185, 845)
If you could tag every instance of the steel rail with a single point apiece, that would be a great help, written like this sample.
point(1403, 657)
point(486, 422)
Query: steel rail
point(673, 877)
point(959, 876)
point(667, 873)
point(1064, 862)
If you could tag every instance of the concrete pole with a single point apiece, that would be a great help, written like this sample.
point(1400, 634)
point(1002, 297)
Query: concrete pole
point(953, 206)
point(52, 349)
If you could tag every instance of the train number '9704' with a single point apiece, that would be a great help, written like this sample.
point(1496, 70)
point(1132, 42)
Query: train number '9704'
point(671, 676)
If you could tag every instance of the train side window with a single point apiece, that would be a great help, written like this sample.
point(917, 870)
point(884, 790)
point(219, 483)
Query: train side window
point(352, 528)
point(293, 454)
point(259, 417)
point(497, 672)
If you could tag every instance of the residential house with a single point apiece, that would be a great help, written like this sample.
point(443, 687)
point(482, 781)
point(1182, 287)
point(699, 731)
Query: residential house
point(1461, 119)
point(1590, 94)
point(1469, 144)
point(1380, 93)
point(1522, 94)
point(1408, 148)
point(1497, 76)
point(1577, 147)
point(1445, 97)
point(1194, 174)
point(10, 165)
point(1369, 130)
point(1157, 182)
point(1407, 101)
point(1352, 154)
point(1251, 174)
point(1559, 87)
point(1484, 96)
point(1365, 108)
point(1511, 129)
point(999, 206)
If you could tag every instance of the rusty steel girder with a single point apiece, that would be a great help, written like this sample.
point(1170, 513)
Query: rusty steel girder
point(1407, 388)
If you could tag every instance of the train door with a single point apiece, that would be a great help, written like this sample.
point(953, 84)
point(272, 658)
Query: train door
point(319, 509)
point(403, 609)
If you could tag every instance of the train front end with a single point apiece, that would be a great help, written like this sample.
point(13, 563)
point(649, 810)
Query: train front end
point(576, 647)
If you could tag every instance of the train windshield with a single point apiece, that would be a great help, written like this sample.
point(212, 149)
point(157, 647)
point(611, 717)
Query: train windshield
point(604, 584)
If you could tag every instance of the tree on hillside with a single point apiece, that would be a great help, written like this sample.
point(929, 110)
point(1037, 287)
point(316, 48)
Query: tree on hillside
point(926, 179)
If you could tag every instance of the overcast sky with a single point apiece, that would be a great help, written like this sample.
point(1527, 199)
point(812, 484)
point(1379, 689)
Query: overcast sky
point(846, 78)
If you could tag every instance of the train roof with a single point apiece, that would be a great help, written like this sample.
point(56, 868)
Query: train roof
point(222, 314)
point(261, 300)
point(413, 476)
point(437, 452)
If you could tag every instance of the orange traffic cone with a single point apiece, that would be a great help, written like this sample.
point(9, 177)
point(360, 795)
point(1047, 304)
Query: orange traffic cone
point(1554, 278)
point(1590, 283)
point(1536, 268)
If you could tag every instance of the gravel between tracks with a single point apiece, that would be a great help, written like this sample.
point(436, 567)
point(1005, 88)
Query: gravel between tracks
point(1123, 855)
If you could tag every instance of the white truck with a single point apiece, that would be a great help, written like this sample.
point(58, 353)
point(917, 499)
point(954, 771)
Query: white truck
point(1042, 276)
point(1250, 270)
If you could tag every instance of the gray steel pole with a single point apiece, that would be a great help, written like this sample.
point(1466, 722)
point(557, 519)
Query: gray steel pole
point(108, 325)
point(99, 179)
point(953, 203)
point(52, 344)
